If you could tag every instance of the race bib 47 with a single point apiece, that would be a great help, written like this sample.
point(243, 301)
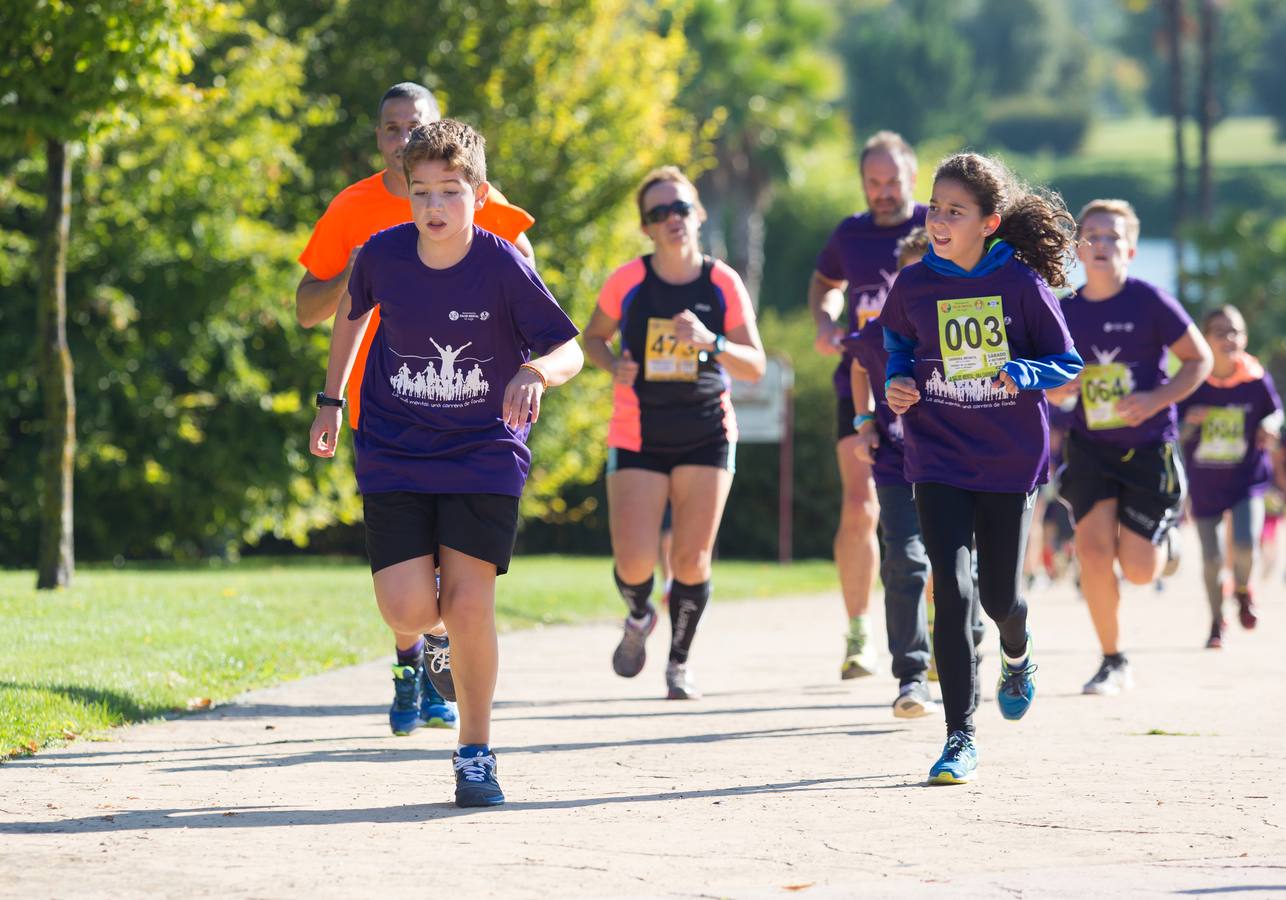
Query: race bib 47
point(665, 358)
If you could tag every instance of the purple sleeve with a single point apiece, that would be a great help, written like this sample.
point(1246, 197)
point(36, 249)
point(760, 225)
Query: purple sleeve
point(539, 321)
point(829, 262)
point(1172, 319)
point(359, 286)
point(1272, 402)
point(1046, 327)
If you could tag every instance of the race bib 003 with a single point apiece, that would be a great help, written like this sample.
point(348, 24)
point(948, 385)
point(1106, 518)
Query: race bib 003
point(1102, 384)
point(1223, 435)
point(665, 358)
point(972, 334)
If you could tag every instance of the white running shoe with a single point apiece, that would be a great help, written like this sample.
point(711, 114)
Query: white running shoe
point(1111, 678)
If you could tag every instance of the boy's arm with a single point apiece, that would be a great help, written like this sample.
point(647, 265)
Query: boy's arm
point(317, 300)
point(525, 390)
point(1196, 361)
point(344, 341)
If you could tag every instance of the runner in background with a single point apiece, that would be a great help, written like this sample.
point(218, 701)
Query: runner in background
point(423, 690)
point(1123, 479)
point(1229, 426)
point(974, 335)
point(686, 326)
point(854, 271)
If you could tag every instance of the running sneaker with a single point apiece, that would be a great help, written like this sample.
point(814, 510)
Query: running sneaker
point(404, 714)
point(475, 777)
point(631, 652)
point(1016, 688)
point(859, 657)
point(914, 701)
point(1112, 677)
point(437, 663)
point(1173, 555)
point(958, 762)
point(435, 710)
point(679, 684)
point(1246, 610)
point(932, 672)
point(1215, 641)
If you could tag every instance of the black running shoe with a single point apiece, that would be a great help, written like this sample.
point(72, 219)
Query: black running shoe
point(437, 665)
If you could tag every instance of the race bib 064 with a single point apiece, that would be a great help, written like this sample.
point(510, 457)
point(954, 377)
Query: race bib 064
point(972, 334)
point(1102, 384)
point(665, 358)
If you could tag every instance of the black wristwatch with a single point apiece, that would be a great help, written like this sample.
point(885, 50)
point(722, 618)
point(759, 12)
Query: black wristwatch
point(720, 343)
point(323, 401)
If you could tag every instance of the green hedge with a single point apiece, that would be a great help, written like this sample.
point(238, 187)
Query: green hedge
point(1037, 125)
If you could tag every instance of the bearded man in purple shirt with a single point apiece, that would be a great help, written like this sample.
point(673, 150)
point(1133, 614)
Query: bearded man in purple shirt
point(854, 272)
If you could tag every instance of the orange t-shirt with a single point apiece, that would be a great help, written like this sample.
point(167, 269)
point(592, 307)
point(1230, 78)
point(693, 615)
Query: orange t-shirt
point(367, 207)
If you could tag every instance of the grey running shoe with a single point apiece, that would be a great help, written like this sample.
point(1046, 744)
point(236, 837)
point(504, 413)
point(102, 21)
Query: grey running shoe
point(679, 684)
point(437, 665)
point(1111, 678)
point(1173, 555)
point(631, 652)
point(914, 701)
point(859, 657)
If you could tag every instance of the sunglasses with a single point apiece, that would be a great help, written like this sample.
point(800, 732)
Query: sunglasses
point(658, 214)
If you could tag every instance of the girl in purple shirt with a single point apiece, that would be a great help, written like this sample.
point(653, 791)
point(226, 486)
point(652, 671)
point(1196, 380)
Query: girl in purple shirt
point(1229, 424)
point(974, 335)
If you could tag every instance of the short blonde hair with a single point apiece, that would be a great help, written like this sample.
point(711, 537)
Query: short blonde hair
point(451, 142)
point(661, 175)
point(1120, 208)
point(915, 243)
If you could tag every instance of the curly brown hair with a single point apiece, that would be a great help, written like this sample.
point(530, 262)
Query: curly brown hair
point(449, 141)
point(1034, 221)
point(914, 244)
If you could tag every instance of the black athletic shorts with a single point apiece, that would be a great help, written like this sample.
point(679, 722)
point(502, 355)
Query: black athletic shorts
point(844, 413)
point(720, 454)
point(1147, 482)
point(402, 525)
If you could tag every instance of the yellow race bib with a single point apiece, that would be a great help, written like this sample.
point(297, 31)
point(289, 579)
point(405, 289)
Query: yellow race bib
point(1223, 436)
point(972, 335)
point(1102, 384)
point(665, 359)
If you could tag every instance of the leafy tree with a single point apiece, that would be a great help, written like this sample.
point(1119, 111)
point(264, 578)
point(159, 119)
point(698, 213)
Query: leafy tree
point(65, 68)
point(1270, 71)
point(906, 72)
point(758, 86)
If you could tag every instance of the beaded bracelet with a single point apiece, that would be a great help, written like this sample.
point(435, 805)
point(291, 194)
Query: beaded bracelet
point(544, 382)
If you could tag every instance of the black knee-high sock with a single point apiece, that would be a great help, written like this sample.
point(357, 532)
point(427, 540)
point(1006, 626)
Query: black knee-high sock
point(687, 603)
point(637, 596)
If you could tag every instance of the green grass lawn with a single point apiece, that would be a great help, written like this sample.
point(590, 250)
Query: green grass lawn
point(136, 643)
point(1246, 140)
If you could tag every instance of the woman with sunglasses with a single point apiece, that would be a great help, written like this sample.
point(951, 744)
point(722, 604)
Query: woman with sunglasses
point(686, 326)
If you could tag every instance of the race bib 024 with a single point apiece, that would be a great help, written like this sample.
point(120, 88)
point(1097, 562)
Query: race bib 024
point(665, 359)
point(1223, 436)
point(971, 332)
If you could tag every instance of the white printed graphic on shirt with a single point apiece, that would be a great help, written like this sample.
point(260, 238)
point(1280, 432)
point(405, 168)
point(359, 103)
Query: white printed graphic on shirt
point(868, 299)
point(444, 383)
point(967, 392)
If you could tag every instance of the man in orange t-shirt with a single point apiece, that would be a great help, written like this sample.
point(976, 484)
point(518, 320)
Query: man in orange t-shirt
point(422, 676)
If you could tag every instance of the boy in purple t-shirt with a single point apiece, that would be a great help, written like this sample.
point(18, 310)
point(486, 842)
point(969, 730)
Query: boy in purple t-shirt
point(974, 335)
point(1123, 480)
point(1228, 426)
point(448, 397)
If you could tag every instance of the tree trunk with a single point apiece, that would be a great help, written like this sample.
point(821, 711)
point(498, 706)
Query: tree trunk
point(56, 560)
point(1174, 25)
point(1206, 109)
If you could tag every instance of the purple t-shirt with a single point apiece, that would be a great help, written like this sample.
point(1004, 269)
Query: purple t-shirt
point(866, 256)
point(867, 348)
point(449, 342)
point(964, 432)
point(1224, 464)
point(1123, 341)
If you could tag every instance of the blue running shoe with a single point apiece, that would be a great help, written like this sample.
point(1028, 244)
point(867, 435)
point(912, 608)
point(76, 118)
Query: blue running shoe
point(436, 710)
point(1017, 687)
point(475, 777)
point(958, 762)
point(404, 714)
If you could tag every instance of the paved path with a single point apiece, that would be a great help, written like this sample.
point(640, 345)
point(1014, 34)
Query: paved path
point(782, 782)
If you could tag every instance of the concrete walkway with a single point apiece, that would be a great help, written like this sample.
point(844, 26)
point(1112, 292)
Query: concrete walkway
point(783, 781)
